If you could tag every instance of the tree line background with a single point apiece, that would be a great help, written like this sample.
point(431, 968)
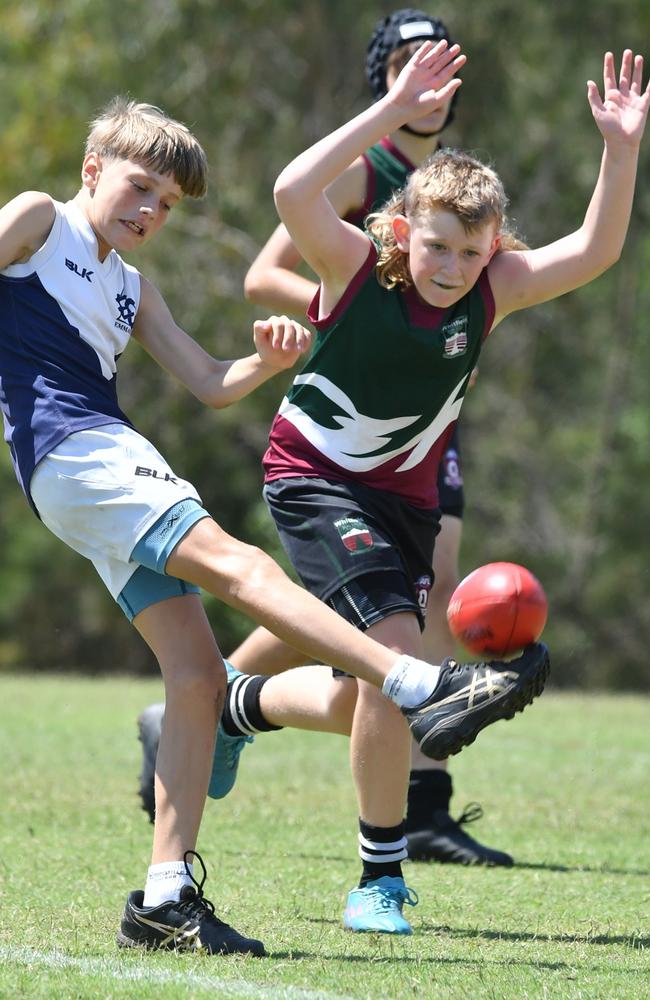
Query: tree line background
point(556, 435)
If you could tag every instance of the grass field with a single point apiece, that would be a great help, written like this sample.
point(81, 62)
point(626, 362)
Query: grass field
point(565, 788)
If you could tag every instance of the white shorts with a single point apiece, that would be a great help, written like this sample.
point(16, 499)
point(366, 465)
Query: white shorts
point(100, 491)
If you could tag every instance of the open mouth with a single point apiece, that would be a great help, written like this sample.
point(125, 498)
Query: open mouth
point(134, 227)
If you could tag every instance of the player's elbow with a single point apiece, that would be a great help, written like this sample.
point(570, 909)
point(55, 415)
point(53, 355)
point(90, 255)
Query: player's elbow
point(288, 194)
point(254, 287)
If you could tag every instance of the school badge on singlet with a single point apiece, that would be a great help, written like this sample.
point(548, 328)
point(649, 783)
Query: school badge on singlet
point(355, 534)
point(455, 337)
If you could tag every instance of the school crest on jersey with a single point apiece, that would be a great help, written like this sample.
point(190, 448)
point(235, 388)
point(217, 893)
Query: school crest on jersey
point(455, 337)
point(355, 534)
point(125, 311)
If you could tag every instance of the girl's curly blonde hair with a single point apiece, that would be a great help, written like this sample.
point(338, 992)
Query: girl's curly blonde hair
point(449, 180)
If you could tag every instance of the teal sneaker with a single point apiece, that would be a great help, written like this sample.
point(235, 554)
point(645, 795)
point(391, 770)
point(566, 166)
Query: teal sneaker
point(378, 906)
point(227, 752)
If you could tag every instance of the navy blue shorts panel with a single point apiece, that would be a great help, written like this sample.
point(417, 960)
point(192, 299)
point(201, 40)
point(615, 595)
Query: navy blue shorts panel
point(451, 497)
point(369, 548)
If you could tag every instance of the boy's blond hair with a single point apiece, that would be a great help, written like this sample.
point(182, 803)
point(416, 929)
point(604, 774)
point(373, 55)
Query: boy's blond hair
point(127, 130)
point(449, 180)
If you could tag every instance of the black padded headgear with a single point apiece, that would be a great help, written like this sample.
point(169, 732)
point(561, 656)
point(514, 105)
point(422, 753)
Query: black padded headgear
point(400, 28)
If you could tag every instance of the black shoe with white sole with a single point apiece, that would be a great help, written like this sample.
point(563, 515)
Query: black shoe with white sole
point(470, 696)
point(187, 924)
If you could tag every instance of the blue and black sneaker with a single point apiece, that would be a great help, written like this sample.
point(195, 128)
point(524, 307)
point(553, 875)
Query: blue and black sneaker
point(470, 696)
point(377, 907)
point(225, 763)
point(186, 924)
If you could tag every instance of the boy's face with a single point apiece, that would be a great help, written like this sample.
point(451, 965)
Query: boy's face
point(444, 259)
point(125, 203)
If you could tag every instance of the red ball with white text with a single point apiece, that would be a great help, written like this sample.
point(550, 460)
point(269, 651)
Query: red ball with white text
point(498, 609)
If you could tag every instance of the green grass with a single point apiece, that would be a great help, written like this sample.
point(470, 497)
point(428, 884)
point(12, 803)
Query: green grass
point(564, 787)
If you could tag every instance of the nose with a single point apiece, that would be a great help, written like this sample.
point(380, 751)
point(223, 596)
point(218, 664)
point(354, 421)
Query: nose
point(146, 209)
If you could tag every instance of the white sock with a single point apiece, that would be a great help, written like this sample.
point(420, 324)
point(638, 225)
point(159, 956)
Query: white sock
point(165, 881)
point(410, 682)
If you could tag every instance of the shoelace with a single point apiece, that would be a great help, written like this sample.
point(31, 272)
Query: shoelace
point(197, 906)
point(471, 812)
point(383, 898)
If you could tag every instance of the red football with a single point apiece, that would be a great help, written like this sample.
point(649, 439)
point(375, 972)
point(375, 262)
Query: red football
point(498, 609)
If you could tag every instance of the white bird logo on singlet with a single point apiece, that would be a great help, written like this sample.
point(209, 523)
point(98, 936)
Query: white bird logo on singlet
point(355, 443)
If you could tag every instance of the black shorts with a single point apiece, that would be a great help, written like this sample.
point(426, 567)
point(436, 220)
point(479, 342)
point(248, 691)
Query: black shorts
point(365, 552)
point(451, 498)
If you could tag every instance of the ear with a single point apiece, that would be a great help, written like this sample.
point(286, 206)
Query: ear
point(496, 244)
point(91, 169)
point(402, 232)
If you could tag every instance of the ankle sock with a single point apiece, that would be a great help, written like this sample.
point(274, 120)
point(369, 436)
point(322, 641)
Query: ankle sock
point(165, 881)
point(382, 850)
point(410, 682)
point(242, 715)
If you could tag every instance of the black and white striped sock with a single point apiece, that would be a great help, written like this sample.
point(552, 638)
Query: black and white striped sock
point(382, 850)
point(242, 715)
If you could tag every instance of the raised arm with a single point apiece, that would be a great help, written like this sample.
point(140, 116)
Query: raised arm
point(279, 342)
point(333, 248)
point(272, 280)
point(525, 278)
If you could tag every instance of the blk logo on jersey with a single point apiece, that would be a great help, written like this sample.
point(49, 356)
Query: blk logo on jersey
point(126, 312)
point(355, 534)
point(83, 272)
point(455, 336)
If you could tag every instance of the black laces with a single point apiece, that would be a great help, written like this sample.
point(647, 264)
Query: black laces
point(192, 901)
point(471, 812)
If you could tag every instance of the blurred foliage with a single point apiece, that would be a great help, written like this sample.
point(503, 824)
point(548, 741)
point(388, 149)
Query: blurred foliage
point(556, 434)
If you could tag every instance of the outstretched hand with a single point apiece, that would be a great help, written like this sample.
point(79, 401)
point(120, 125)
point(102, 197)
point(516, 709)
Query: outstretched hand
point(621, 114)
point(280, 341)
point(428, 79)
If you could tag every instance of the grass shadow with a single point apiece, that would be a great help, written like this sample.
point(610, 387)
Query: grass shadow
point(634, 941)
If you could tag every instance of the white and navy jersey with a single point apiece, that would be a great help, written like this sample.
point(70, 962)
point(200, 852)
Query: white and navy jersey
point(65, 318)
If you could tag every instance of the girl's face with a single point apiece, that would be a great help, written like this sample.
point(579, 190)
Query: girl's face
point(126, 203)
point(445, 260)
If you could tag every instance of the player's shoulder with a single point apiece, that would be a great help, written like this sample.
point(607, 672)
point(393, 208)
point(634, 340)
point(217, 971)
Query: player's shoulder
point(35, 205)
point(25, 223)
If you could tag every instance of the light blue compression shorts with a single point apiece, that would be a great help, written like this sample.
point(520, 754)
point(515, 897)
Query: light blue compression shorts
point(149, 584)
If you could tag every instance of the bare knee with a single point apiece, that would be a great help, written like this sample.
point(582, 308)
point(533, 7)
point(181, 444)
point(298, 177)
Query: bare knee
point(196, 681)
